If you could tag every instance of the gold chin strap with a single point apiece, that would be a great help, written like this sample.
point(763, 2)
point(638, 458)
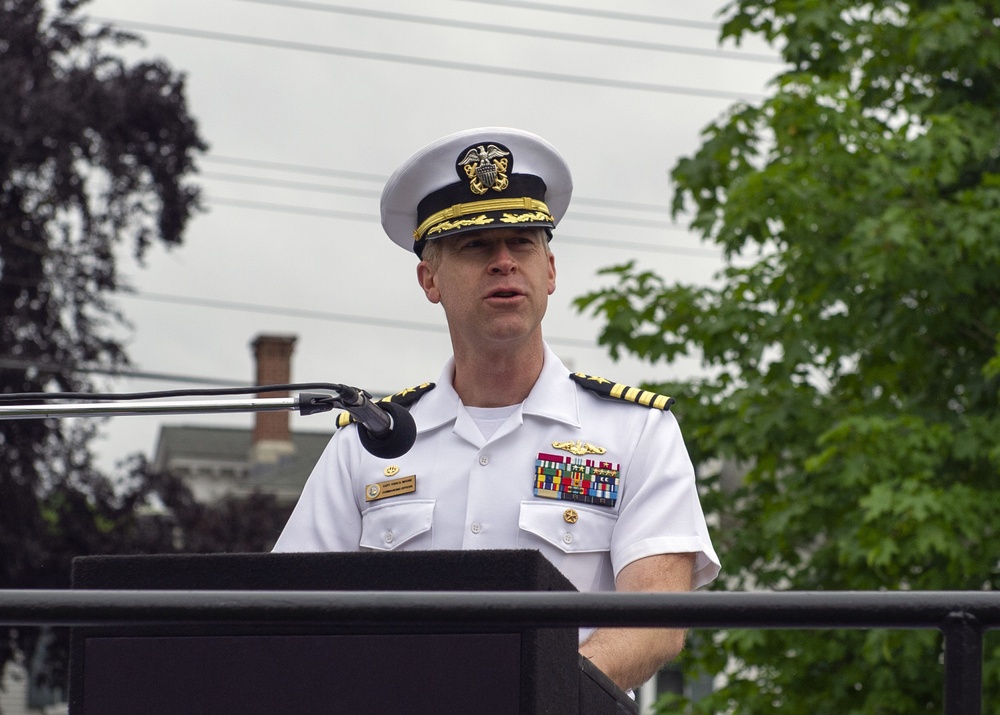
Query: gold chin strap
point(478, 207)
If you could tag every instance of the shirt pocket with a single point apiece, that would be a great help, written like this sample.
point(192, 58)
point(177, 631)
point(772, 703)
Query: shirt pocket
point(389, 526)
point(568, 528)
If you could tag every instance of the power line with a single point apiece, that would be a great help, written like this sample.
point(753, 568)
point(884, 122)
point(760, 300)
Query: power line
point(288, 312)
point(647, 223)
point(285, 184)
point(46, 366)
point(288, 208)
point(563, 238)
point(603, 14)
point(431, 62)
point(522, 31)
point(382, 178)
point(297, 168)
point(625, 205)
point(634, 246)
point(356, 216)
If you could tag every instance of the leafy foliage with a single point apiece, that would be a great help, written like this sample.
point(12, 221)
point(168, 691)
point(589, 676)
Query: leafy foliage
point(852, 346)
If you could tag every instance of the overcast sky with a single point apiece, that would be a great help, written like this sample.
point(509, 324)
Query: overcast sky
point(309, 106)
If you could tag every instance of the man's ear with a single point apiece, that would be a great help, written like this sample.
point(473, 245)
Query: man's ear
point(552, 274)
point(427, 279)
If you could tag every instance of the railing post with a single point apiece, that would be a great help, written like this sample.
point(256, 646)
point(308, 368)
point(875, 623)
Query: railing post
point(963, 664)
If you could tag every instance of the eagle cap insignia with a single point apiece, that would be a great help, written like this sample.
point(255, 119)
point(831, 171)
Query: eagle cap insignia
point(579, 448)
point(486, 167)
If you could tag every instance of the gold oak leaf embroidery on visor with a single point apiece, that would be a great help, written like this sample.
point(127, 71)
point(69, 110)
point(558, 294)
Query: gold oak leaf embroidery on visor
point(524, 218)
point(483, 220)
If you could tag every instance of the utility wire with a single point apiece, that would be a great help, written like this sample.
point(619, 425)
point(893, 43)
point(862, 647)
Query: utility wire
point(604, 14)
point(289, 209)
point(367, 218)
point(285, 184)
point(381, 179)
point(634, 246)
point(356, 216)
point(367, 321)
point(522, 31)
point(46, 366)
point(297, 168)
point(411, 60)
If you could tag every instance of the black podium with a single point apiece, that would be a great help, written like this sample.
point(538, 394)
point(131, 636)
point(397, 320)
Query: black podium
point(212, 669)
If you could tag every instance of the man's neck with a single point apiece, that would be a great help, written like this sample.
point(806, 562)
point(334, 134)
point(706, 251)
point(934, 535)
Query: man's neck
point(500, 377)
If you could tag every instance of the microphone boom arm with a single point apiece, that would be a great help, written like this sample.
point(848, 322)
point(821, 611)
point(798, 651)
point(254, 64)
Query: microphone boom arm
point(306, 404)
point(386, 429)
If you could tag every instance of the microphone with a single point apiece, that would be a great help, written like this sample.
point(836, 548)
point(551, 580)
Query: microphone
point(386, 430)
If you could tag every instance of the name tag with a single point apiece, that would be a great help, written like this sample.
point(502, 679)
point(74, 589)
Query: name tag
point(391, 488)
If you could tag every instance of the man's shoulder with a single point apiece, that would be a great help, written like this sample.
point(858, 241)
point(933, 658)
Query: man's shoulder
point(404, 398)
point(616, 391)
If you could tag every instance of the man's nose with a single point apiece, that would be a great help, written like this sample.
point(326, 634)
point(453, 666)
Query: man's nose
point(502, 260)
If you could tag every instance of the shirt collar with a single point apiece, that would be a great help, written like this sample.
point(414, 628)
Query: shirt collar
point(554, 396)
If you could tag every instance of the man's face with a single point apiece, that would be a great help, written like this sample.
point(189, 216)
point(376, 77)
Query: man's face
point(494, 284)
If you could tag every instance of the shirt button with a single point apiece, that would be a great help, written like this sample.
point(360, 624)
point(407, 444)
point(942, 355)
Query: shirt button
point(568, 538)
point(484, 460)
point(476, 527)
point(388, 537)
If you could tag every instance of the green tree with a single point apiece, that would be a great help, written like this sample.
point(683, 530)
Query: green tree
point(851, 348)
point(94, 155)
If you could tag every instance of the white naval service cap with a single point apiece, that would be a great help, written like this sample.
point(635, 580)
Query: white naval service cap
point(479, 178)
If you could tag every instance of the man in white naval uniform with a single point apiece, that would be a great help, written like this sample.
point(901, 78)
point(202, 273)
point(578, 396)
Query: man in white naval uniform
point(512, 450)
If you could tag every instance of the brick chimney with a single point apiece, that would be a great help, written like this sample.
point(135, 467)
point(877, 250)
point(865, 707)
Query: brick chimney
point(272, 437)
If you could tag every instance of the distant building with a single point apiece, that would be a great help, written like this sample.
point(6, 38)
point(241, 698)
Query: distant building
point(230, 461)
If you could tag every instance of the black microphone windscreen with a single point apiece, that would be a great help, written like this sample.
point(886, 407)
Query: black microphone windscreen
point(400, 438)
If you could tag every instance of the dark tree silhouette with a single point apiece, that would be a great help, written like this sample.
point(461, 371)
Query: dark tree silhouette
point(95, 155)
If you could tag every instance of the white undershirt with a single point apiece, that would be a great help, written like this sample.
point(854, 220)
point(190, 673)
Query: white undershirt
point(490, 419)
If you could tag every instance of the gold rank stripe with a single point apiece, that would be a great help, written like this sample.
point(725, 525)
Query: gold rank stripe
point(474, 207)
point(642, 397)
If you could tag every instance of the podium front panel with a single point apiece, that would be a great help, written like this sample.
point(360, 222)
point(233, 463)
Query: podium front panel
point(263, 675)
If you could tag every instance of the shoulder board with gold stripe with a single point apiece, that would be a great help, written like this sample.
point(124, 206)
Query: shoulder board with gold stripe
point(405, 398)
point(618, 391)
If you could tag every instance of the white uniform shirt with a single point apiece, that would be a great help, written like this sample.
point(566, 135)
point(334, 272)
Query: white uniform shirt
point(474, 493)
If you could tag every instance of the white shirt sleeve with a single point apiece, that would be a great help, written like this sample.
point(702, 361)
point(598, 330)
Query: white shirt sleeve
point(660, 511)
point(327, 516)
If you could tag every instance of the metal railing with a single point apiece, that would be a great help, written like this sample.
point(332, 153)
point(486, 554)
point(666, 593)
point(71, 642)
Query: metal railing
point(961, 616)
